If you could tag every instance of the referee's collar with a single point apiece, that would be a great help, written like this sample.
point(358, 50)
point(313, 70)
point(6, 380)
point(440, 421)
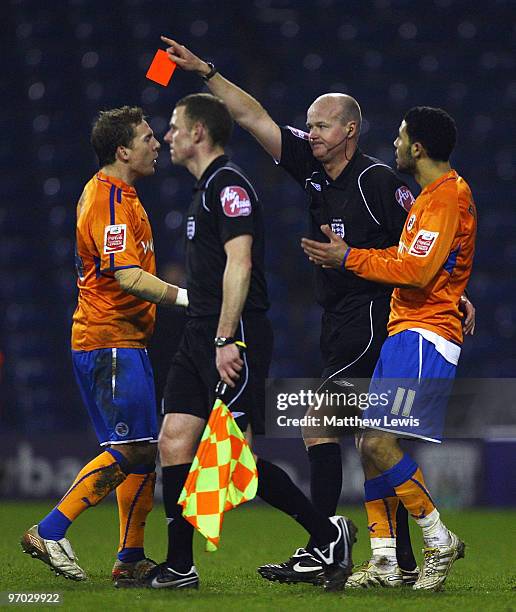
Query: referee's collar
point(218, 162)
point(347, 170)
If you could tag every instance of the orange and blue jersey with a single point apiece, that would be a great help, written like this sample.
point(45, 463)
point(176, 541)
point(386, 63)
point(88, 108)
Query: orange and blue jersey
point(431, 266)
point(113, 233)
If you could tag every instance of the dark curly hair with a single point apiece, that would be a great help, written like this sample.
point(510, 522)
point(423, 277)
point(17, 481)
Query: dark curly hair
point(434, 129)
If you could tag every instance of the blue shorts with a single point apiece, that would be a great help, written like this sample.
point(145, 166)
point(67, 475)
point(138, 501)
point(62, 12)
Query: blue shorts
point(411, 385)
point(117, 387)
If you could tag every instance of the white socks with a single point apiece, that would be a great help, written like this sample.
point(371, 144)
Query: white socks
point(384, 547)
point(435, 534)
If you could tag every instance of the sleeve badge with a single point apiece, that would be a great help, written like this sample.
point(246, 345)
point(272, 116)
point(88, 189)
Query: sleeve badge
point(235, 201)
point(404, 197)
point(115, 237)
point(423, 243)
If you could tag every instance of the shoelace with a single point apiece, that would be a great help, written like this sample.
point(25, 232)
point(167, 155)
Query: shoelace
point(431, 556)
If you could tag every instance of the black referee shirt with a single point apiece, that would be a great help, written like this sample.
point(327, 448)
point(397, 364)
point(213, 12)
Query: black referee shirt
point(367, 205)
point(224, 206)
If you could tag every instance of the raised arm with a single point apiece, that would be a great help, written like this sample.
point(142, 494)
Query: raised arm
point(244, 109)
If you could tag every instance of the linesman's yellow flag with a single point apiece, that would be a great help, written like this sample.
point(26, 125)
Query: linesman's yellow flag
point(223, 475)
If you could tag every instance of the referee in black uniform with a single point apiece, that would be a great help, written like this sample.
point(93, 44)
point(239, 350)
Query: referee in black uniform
point(227, 297)
point(362, 199)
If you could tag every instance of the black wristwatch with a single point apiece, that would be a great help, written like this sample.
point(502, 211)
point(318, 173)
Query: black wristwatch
point(213, 70)
point(221, 341)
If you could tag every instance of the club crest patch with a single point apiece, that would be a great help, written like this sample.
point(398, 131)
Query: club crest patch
point(190, 227)
point(404, 197)
point(235, 201)
point(121, 429)
point(423, 243)
point(115, 237)
point(337, 227)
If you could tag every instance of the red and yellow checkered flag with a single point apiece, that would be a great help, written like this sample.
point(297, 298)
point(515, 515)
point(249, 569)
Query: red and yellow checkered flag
point(223, 475)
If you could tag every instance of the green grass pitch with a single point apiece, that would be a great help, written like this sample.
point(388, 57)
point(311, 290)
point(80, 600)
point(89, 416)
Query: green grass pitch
point(484, 580)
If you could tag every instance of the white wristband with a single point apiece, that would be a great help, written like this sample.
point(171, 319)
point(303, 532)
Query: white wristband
point(182, 297)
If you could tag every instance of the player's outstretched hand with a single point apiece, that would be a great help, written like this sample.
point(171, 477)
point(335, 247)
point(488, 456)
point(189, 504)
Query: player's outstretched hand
point(469, 312)
point(325, 254)
point(229, 363)
point(182, 56)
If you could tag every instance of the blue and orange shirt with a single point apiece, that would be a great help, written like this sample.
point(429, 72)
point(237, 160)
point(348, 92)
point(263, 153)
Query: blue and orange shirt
point(431, 266)
point(113, 232)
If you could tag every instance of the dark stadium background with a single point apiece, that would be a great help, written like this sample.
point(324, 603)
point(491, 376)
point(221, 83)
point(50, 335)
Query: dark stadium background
point(62, 61)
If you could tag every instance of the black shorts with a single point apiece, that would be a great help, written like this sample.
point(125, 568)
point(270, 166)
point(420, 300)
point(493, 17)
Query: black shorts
point(191, 381)
point(351, 343)
point(350, 346)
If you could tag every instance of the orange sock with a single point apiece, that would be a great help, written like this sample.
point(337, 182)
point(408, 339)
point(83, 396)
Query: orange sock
point(96, 479)
point(381, 505)
point(415, 496)
point(381, 517)
point(135, 497)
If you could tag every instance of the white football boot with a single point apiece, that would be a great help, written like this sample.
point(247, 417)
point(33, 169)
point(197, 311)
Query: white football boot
point(437, 564)
point(56, 553)
point(378, 572)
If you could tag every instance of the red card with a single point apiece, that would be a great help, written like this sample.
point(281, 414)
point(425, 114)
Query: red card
point(161, 68)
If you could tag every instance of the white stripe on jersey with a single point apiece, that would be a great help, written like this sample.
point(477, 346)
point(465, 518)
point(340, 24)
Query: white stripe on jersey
point(215, 173)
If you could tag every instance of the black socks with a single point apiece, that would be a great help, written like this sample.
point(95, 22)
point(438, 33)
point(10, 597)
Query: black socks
point(180, 531)
point(325, 476)
point(404, 552)
point(277, 489)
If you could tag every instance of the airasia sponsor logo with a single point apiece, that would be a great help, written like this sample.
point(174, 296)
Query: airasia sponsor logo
point(404, 197)
point(423, 243)
point(115, 238)
point(235, 201)
point(298, 133)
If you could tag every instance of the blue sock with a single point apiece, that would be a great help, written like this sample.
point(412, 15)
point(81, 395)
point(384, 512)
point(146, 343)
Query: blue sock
point(378, 488)
point(54, 525)
point(122, 461)
point(401, 471)
point(130, 555)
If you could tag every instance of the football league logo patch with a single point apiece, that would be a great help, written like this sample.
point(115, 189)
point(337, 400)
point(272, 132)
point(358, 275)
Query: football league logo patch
point(190, 227)
point(235, 201)
point(404, 197)
point(423, 243)
point(114, 238)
